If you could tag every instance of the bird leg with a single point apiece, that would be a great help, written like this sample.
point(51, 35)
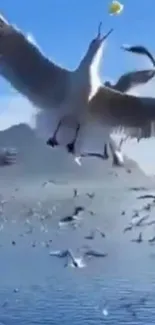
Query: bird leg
point(116, 155)
point(52, 142)
point(71, 146)
point(105, 153)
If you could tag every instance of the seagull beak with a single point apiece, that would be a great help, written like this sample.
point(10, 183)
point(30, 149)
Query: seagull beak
point(107, 35)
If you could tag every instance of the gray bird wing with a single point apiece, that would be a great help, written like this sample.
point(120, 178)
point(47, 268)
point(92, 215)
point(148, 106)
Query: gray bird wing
point(32, 74)
point(132, 79)
point(115, 109)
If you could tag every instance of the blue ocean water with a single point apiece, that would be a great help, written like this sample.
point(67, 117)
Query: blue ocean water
point(36, 288)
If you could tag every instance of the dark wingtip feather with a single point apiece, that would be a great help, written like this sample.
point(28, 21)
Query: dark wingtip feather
point(139, 49)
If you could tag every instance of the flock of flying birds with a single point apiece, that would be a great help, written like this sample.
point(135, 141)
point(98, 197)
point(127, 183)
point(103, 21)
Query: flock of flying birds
point(140, 219)
point(79, 98)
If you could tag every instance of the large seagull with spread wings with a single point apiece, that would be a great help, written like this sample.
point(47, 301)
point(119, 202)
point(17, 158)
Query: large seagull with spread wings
point(75, 98)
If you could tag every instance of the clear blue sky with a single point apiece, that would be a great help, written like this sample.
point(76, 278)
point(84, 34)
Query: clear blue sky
point(64, 28)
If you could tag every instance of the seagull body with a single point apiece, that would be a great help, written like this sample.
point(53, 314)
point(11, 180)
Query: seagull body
point(75, 97)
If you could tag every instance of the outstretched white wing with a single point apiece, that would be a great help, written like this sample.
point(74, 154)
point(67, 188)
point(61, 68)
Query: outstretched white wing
point(28, 70)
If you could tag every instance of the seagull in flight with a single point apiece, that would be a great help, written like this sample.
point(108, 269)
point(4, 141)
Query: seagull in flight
point(75, 97)
point(125, 83)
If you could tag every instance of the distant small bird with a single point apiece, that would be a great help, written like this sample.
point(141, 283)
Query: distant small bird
point(151, 240)
point(75, 193)
point(90, 195)
point(92, 213)
point(139, 222)
point(147, 196)
point(73, 260)
point(68, 219)
point(147, 207)
point(94, 253)
point(128, 228)
point(78, 209)
point(136, 189)
point(65, 253)
point(139, 239)
point(101, 232)
point(50, 181)
point(135, 215)
point(72, 217)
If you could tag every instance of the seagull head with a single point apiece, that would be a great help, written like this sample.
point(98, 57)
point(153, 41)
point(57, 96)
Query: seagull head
point(94, 52)
point(108, 84)
point(98, 41)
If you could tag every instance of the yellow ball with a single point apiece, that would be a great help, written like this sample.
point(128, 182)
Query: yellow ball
point(115, 8)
